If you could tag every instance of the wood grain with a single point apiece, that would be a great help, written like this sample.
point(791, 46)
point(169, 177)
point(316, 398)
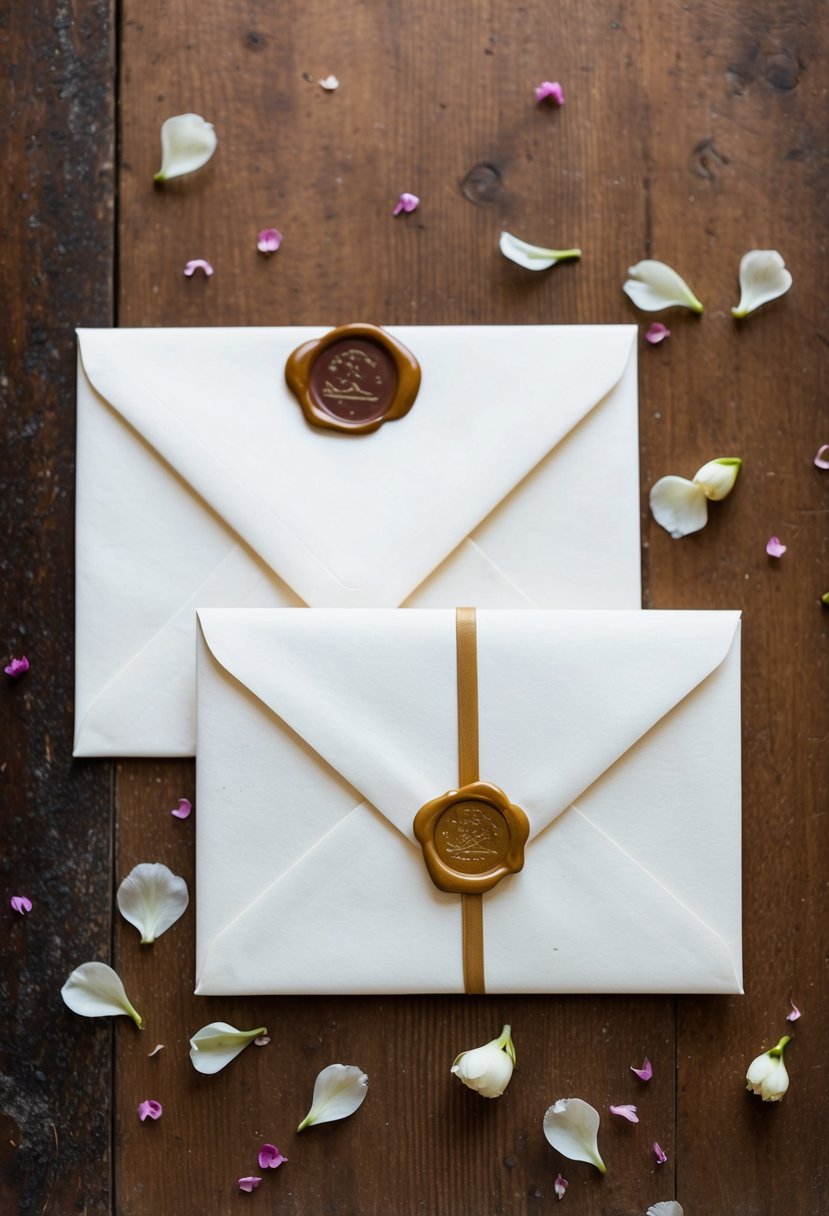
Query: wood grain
point(56, 257)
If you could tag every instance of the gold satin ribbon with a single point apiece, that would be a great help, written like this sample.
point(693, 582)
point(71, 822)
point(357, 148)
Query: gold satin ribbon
point(472, 909)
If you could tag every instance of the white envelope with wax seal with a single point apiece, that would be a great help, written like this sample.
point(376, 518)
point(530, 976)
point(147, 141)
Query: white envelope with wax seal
point(512, 481)
point(323, 735)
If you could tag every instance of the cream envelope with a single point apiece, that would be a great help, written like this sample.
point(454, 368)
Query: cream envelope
point(321, 734)
point(512, 482)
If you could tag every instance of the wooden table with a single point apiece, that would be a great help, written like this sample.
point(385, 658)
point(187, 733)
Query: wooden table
point(691, 133)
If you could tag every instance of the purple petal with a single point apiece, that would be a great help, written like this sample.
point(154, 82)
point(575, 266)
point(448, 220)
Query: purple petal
point(270, 1157)
point(657, 333)
point(22, 904)
point(645, 1072)
point(150, 1109)
point(626, 1111)
point(269, 240)
point(198, 264)
point(795, 1013)
point(551, 89)
point(17, 668)
point(406, 202)
point(820, 456)
point(249, 1184)
point(182, 811)
point(774, 548)
point(560, 1186)
point(660, 1154)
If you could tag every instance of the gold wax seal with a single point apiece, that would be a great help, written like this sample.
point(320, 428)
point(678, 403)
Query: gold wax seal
point(353, 379)
point(471, 838)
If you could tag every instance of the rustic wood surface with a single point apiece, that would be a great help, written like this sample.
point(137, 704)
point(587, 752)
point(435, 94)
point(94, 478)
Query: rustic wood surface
point(690, 133)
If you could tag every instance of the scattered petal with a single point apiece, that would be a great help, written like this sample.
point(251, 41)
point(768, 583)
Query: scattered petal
point(533, 257)
point(262, 1041)
point(270, 1157)
point(158, 1047)
point(679, 506)
point(767, 1076)
point(668, 1207)
point(657, 332)
point(330, 83)
point(551, 89)
point(560, 1186)
point(774, 547)
point(269, 240)
point(187, 143)
point(653, 285)
point(216, 1044)
point(406, 202)
point(820, 460)
point(150, 1109)
point(659, 1153)
point(717, 478)
point(21, 904)
point(626, 1111)
point(198, 264)
point(17, 667)
point(763, 277)
point(249, 1184)
point(94, 990)
point(572, 1126)
point(795, 1013)
point(182, 811)
point(152, 898)
point(645, 1072)
point(487, 1069)
point(338, 1091)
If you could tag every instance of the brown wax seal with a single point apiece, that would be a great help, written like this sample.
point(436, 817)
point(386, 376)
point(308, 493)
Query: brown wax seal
point(471, 838)
point(353, 379)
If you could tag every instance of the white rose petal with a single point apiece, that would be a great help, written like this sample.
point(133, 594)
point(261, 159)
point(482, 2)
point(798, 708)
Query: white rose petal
point(533, 257)
point(215, 1045)
point(571, 1126)
point(330, 83)
point(338, 1091)
point(152, 898)
point(763, 277)
point(668, 1207)
point(487, 1069)
point(653, 285)
point(187, 143)
point(94, 990)
point(716, 479)
point(679, 506)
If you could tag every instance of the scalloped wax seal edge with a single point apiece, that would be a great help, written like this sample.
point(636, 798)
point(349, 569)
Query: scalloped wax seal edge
point(301, 364)
point(484, 831)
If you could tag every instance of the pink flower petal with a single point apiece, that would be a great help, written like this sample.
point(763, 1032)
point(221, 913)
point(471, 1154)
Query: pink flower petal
point(269, 240)
point(660, 1154)
point(17, 668)
point(645, 1072)
point(795, 1013)
point(774, 548)
point(150, 1109)
point(657, 333)
point(406, 202)
point(198, 264)
point(21, 904)
point(820, 456)
point(551, 89)
point(560, 1186)
point(262, 1041)
point(249, 1184)
point(270, 1157)
point(182, 811)
point(626, 1111)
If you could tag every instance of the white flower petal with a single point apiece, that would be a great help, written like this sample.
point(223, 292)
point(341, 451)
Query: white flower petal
point(571, 1126)
point(716, 479)
point(679, 506)
point(533, 257)
point(653, 286)
point(763, 277)
point(216, 1044)
point(668, 1207)
point(152, 898)
point(338, 1091)
point(187, 143)
point(94, 990)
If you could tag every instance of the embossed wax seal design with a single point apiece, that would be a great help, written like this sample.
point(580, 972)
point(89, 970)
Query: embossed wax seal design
point(353, 379)
point(471, 838)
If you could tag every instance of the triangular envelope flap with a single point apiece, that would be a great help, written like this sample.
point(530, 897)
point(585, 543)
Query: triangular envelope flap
point(355, 520)
point(562, 695)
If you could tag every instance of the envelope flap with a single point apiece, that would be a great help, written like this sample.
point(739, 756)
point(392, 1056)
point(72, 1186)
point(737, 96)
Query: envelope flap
point(374, 693)
point(494, 401)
